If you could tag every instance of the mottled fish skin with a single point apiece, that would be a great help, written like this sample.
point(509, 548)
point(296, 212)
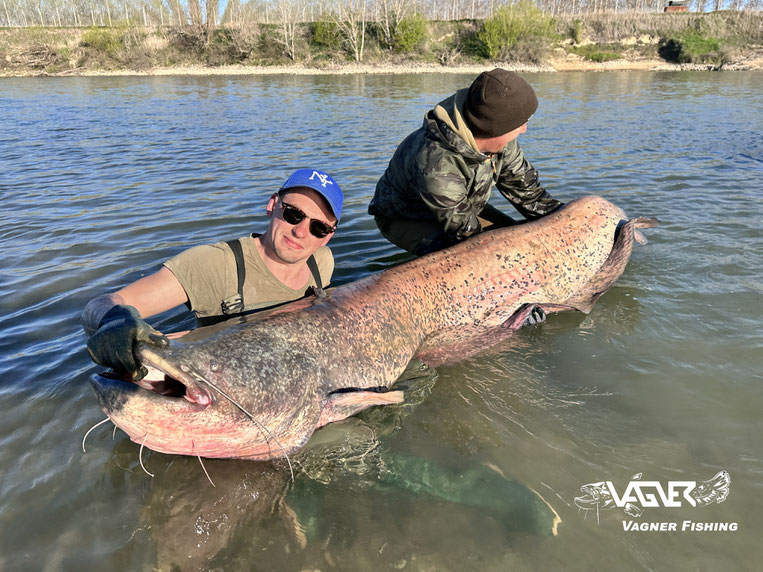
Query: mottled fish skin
point(291, 370)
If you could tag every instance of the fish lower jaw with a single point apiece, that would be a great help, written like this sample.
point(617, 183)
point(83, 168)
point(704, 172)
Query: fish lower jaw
point(212, 442)
point(200, 448)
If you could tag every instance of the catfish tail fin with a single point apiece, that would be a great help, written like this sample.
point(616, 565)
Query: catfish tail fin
point(625, 235)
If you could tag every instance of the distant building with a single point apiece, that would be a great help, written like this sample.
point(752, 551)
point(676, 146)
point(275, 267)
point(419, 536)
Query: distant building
point(676, 6)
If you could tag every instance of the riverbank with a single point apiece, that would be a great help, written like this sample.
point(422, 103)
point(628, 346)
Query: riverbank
point(752, 62)
point(625, 42)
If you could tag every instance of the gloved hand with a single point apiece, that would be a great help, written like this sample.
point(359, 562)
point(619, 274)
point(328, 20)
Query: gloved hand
point(113, 344)
point(536, 316)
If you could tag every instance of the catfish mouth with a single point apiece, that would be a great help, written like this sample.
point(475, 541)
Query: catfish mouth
point(172, 380)
point(161, 413)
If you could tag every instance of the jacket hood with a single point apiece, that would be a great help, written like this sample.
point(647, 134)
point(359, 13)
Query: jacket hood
point(450, 111)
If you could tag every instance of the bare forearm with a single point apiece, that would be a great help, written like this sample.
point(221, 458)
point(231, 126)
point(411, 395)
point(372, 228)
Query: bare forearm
point(150, 295)
point(96, 309)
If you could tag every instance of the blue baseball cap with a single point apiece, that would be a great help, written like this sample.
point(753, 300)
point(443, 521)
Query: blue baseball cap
point(319, 181)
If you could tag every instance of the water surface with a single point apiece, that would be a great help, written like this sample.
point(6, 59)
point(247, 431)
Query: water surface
point(102, 179)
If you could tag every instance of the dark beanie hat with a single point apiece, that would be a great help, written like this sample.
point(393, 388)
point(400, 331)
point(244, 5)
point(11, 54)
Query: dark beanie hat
point(498, 101)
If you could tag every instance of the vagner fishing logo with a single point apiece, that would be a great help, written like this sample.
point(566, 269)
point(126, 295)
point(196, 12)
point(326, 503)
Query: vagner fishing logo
point(639, 494)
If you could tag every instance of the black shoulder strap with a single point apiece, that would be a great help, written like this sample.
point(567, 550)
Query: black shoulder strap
point(238, 252)
point(237, 304)
point(313, 266)
point(231, 306)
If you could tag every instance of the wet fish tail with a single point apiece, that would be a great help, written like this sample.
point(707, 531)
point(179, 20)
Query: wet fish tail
point(627, 233)
point(642, 222)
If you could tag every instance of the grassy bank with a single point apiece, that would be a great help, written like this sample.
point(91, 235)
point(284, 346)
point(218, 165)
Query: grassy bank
point(519, 35)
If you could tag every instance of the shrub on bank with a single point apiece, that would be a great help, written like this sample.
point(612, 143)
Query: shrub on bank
point(326, 34)
point(411, 32)
point(692, 48)
point(270, 48)
point(107, 40)
point(114, 48)
point(228, 46)
point(502, 32)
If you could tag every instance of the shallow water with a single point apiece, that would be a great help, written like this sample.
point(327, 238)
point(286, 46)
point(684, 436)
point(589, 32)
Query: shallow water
point(102, 179)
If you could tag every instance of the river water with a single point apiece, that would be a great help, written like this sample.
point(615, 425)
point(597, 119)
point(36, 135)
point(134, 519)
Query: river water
point(102, 179)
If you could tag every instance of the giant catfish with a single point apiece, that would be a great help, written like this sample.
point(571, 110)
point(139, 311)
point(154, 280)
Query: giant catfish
point(258, 388)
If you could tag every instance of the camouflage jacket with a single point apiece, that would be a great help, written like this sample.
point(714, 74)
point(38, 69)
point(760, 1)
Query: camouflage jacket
point(436, 173)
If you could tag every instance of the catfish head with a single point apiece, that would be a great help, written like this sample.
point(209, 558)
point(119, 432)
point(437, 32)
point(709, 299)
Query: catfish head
point(219, 398)
point(246, 392)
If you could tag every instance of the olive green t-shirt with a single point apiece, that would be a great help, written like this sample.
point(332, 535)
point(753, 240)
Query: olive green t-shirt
point(208, 275)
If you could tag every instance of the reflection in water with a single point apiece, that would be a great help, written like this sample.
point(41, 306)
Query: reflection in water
point(193, 523)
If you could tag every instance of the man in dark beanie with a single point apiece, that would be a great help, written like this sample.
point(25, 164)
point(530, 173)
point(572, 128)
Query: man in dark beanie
point(435, 190)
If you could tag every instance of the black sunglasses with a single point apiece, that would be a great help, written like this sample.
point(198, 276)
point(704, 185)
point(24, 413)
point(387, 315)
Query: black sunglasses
point(293, 215)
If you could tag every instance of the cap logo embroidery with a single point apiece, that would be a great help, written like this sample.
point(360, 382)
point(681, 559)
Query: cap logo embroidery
point(323, 178)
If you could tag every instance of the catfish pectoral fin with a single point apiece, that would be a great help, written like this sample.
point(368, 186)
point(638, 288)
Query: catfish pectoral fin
point(347, 403)
point(518, 318)
point(366, 398)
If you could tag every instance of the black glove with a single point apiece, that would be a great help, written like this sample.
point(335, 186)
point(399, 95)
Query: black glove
point(113, 344)
point(536, 316)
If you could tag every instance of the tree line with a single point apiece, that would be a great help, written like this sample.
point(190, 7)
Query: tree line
point(351, 14)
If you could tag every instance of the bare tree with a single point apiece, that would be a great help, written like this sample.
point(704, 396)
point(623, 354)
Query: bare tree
point(288, 16)
point(350, 19)
point(194, 12)
point(352, 16)
point(213, 12)
point(178, 12)
point(390, 12)
point(232, 14)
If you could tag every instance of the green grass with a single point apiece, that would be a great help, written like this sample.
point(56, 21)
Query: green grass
point(595, 53)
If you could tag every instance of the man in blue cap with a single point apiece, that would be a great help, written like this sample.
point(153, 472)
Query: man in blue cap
point(290, 260)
